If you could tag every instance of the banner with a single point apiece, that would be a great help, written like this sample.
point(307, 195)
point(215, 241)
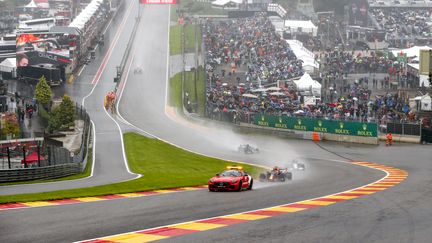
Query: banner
point(158, 1)
point(362, 129)
point(358, 12)
point(45, 48)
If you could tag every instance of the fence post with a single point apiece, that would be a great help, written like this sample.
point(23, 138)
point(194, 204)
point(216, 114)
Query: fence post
point(24, 155)
point(8, 156)
point(38, 154)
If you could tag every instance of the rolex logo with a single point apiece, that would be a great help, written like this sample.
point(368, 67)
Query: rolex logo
point(299, 121)
point(262, 118)
point(341, 125)
point(280, 119)
point(364, 127)
point(320, 123)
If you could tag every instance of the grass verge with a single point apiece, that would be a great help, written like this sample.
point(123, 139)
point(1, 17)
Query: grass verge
point(175, 38)
point(195, 96)
point(162, 165)
point(85, 173)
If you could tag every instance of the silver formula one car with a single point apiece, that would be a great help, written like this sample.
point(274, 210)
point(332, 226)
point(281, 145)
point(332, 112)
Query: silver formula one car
point(247, 149)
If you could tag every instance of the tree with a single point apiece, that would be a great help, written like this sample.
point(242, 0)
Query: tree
point(62, 116)
point(10, 125)
point(43, 92)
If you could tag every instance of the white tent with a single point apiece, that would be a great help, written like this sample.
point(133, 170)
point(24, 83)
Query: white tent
point(426, 103)
point(306, 83)
point(423, 79)
point(411, 52)
point(31, 4)
point(224, 3)
point(305, 26)
point(308, 58)
point(8, 66)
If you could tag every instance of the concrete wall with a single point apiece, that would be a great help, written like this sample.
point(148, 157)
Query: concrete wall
point(401, 138)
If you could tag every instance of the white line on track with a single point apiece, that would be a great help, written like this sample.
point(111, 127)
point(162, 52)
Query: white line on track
point(250, 211)
point(166, 98)
point(121, 133)
point(111, 48)
point(93, 125)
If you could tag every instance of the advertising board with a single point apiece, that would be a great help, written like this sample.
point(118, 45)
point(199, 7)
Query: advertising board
point(350, 128)
point(45, 48)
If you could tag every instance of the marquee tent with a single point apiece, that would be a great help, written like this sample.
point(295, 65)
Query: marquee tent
point(225, 3)
point(413, 52)
point(308, 58)
point(306, 83)
point(8, 66)
point(305, 26)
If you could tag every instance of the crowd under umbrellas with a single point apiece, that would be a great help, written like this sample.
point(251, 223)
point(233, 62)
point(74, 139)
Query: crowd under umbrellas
point(409, 22)
point(232, 102)
point(251, 44)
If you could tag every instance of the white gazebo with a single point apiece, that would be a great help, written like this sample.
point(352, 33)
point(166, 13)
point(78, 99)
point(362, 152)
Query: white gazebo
point(227, 4)
point(8, 66)
point(307, 85)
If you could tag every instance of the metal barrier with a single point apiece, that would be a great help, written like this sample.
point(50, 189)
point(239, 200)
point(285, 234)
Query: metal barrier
point(58, 161)
point(412, 129)
point(48, 172)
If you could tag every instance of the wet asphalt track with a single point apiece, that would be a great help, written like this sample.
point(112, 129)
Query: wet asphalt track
point(109, 166)
point(399, 214)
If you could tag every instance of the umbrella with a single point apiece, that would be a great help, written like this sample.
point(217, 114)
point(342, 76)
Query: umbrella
point(250, 96)
point(277, 93)
point(299, 112)
point(273, 89)
point(241, 84)
point(355, 98)
point(224, 84)
point(258, 90)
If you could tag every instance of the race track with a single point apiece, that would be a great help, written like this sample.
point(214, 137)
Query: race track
point(399, 214)
point(90, 87)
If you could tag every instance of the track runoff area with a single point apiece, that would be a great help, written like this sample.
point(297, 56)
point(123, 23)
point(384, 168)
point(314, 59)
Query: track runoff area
point(393, 177)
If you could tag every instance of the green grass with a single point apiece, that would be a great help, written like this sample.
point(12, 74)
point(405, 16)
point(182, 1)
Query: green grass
point(175, 97)
point(175, 40)
point(162, 165)
point(200, 8)
point(85, 173)
point(189, 87)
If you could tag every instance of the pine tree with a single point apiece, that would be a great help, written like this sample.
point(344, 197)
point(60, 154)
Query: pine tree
point(43, 92)
point(62, 116)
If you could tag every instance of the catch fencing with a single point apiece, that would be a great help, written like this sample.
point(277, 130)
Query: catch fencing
point(412, 129)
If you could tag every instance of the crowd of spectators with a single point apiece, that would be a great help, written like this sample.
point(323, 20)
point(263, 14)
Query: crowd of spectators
point(238, 103)
point(252, 43)
point(350, 62)
point(404, 22)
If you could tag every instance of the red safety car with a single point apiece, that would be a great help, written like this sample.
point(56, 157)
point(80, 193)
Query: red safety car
point(232, 179)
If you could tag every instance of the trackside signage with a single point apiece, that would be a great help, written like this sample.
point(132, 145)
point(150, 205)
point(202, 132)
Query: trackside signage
point(158, 1)
point(362, 129)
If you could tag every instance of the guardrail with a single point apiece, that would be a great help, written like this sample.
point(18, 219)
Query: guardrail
point(57, 161)
point(48, 172)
